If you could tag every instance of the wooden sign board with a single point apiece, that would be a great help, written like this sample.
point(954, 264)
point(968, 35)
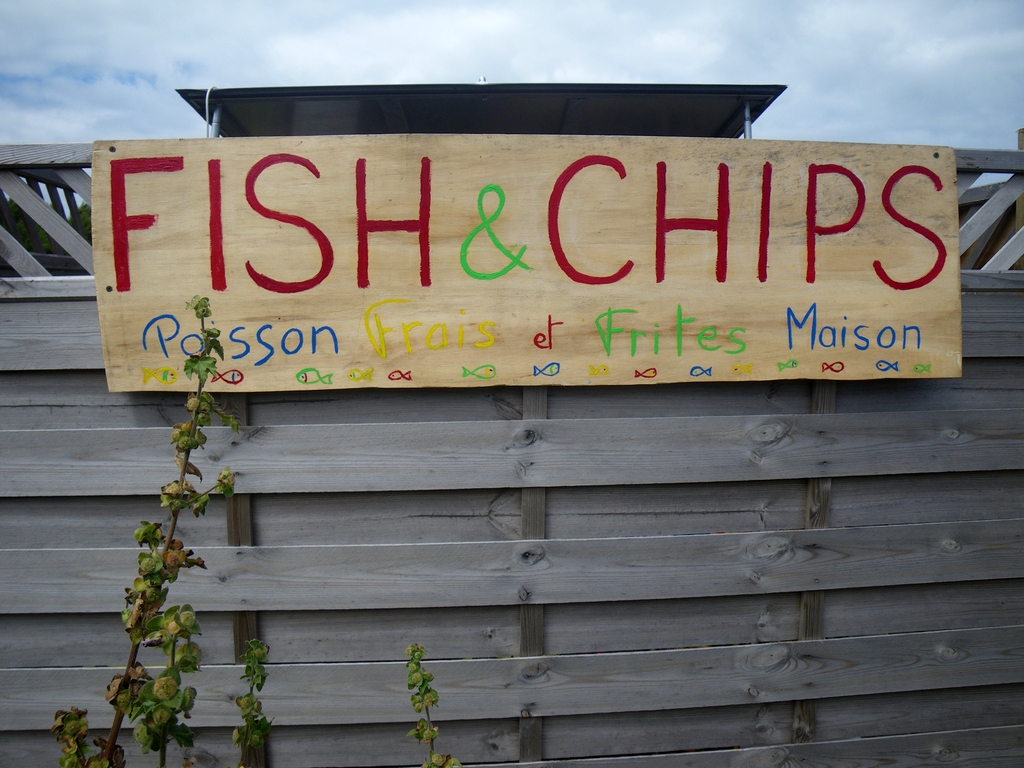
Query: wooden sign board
point(470, 260)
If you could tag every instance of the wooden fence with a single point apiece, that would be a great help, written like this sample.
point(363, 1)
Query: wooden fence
point(707, 575)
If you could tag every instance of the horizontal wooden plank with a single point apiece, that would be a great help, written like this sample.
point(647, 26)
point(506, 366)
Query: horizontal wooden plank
point(40, 288)
point(722, 398)
point(975, 280)
point(96, 640)
point(889, 714)
point(546, 571)
point(993, 324)
point(926, 498)
point(368, 406)
point(990, 160)
point(369, 457)
point(657, 624)
point(213, 748)
point(50, 335)
point(987, 382)
point(324, 694)
point(303, 637)
point(387, 517)
point(46, 155)
point(57, 335)
point(666, 510)
point(97, 521)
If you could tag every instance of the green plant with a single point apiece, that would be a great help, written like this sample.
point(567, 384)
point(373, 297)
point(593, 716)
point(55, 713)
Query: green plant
point(423, 698)
point(155, 704)
point(256, 728)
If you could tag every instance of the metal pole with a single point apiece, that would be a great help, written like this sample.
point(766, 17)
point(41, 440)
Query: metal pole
point(746, 120)
point(215, 130)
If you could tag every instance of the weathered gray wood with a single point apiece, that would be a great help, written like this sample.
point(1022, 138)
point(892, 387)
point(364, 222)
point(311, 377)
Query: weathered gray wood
point(213, 749)
point(479, 741)
point(899, 499)
point(37, 523)
point(990, 160)
point(360, 457)
point(658, 624)
point(993, 325)
point(56, 227)
point(637, 733)
point(924, 607)
point(298, 637)
point(996, 382)
point(974, 280)
point(725, 398)
point(79, 181)
point(964, 181)
point(664, 510)
point(20, 260)
point(992, 210)
point(87, 640)
point(387, 517)
point(47, 335)
point(940, 710)
point(970, 260)
point(549, 571)
point(982, 748)
point(324, 694)
point(369, 406)
point(74, 287)
point(45, 155)
point(531, 737)
point(1008, 255)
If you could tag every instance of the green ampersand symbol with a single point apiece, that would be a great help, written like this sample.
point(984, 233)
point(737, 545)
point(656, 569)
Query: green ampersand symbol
point(514, 259)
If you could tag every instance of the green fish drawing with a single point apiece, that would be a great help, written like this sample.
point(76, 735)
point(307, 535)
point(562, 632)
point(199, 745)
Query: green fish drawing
point(483, 372)
point(313, 376)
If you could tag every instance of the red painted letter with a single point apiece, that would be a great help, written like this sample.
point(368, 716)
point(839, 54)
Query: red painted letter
point(217, 276)
point(365, 226)
point(766, 217)
point(718, 225)
point(926, 233)
point(553, 235)
point(326, 252)
point(813, 230)
point(120, 222)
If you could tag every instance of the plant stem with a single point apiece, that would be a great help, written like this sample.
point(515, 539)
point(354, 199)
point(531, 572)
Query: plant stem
point(115, 727)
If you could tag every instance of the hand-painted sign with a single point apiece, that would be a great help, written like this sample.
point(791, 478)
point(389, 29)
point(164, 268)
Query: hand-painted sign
point(448, 261)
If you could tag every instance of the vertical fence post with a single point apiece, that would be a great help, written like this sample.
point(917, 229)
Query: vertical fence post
point(531, 617)
point(812, 604)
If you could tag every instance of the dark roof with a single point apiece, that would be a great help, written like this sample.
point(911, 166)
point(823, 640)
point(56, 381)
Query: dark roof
point(587, 109)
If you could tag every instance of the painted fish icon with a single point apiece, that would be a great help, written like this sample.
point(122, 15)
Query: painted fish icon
point(740, 368)
point(357, 375)
point(834, 367)
point(551, 369)
point(313, 376)
point(923, 368)
point(400, 376)
point(698, 371)
point(650, 373)
point(885, 365)
point(599, 370)
point(234, 376)
point(787, 364)
point(483, 372)
point(163, 375)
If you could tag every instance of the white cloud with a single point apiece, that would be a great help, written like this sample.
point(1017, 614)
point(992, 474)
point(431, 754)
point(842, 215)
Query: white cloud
point(915, 71)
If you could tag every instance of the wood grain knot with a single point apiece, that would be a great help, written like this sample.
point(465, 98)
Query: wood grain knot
point(951, 545)
point(770, 548)
point(767, 434)
point(524, 594)
point(952, 433)
point(535, 673)
point(531, 556)
point(945, 653)
point(524, 438)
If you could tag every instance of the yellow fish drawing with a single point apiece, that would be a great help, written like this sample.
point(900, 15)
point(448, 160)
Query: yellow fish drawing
point(357, 375)
point(163, 375)
point(599, 370)
point(740, 368)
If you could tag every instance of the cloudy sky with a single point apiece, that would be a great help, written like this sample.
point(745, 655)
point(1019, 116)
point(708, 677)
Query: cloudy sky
point(920, 71)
